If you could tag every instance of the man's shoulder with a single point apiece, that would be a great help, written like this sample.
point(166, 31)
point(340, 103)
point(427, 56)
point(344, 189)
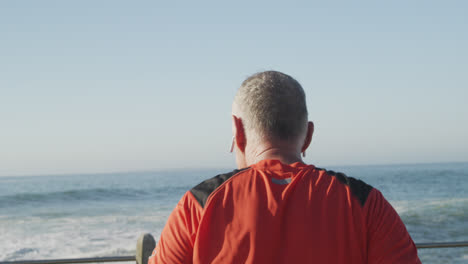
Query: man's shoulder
point(359, 188)
point(202, 191)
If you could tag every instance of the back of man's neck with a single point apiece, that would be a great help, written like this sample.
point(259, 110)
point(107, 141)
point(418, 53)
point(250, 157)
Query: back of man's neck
point(284, 156)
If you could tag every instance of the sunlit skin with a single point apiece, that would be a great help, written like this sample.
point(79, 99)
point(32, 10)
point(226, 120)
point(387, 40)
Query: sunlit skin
point(248, 153)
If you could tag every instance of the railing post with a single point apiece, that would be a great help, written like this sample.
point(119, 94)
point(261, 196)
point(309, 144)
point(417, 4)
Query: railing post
point(145, 247)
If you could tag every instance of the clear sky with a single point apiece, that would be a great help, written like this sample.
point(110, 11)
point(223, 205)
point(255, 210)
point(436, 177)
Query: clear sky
point(98, 86)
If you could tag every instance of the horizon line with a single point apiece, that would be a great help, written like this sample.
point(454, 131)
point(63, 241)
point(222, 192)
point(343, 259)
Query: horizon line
point(169, 169)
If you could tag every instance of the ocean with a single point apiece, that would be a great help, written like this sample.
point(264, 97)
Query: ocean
point(74, 216)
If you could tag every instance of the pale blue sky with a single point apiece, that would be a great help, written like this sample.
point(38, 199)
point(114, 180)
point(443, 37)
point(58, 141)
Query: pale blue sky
point(96, 86)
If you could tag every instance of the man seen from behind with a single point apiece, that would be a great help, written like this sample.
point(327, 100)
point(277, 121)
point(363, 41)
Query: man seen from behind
point(275, 208)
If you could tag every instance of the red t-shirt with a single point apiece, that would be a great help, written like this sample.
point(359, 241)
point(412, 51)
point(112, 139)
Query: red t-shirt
point(277, 213)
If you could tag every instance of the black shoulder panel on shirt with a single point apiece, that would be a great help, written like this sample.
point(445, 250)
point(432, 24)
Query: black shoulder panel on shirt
point(358, 188)
point(202, 191)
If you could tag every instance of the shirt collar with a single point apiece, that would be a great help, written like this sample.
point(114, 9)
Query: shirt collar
point(276, 165)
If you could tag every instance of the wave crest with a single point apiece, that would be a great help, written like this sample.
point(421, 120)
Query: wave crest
point(94, 194)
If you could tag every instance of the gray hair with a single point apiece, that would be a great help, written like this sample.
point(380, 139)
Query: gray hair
point(272, 105)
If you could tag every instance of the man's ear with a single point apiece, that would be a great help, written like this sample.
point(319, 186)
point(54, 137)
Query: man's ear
point(239, 134)
point(308, 138)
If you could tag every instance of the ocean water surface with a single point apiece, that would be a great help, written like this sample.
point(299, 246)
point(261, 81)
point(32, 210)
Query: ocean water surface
point(73, 216)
